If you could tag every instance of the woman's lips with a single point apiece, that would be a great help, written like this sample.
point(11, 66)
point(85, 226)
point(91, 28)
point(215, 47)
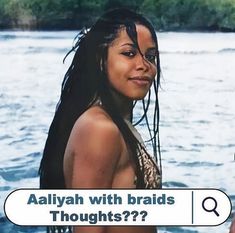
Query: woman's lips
point(141, 81)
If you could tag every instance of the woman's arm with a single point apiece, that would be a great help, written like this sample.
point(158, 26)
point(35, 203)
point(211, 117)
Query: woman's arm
point(232, 227)
point(99, 229)
point(93, 153)
point(94, 146)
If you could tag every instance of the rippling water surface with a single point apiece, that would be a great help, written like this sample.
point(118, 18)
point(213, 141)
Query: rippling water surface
point(197, 111)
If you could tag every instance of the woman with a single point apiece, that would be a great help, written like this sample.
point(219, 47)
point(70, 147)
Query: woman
point(92, 142)
point(232, 227)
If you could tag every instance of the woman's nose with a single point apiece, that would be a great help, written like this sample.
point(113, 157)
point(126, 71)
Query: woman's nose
point(141, 63)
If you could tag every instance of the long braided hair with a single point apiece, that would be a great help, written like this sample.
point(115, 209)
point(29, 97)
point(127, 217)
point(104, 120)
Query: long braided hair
point(84, 83)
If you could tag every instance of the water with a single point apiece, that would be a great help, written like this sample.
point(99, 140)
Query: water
point(196, 99)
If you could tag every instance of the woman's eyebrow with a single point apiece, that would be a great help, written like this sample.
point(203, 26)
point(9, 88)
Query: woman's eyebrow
point(128, 44)
point(152, 49)
point(149, 50)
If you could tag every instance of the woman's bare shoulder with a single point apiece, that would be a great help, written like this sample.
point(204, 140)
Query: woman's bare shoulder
point(96, 120)
point(97, 128)
point(93, 150)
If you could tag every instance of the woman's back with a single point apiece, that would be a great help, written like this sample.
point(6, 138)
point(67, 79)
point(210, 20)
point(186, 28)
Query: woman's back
point(96, 155)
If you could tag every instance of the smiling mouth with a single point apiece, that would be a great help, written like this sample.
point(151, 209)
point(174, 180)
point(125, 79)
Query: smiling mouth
point(141, 80)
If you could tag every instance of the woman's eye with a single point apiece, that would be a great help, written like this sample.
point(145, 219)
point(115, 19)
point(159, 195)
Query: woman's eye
point(129, 53)
point(151, 58)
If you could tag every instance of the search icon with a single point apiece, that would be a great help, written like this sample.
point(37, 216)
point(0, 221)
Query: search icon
point(207, 207)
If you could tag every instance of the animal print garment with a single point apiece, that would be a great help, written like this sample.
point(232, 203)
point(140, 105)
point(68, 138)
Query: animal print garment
point(152, 175)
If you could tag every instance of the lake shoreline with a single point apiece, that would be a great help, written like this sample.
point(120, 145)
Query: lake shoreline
point(25, 29)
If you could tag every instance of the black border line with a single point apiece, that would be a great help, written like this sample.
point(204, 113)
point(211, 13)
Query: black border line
point(192, 207)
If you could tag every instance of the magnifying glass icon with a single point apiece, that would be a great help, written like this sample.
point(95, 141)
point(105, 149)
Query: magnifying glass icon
point(209, 204)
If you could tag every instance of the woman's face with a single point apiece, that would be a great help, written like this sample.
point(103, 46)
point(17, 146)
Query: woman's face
point(130, 71)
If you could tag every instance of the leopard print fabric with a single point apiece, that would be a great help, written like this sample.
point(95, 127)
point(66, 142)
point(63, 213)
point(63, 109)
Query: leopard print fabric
point(152, 175)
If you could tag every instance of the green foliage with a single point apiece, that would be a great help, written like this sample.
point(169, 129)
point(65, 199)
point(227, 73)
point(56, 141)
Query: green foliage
point(73, 14)
point(131, 4)
point(2, 11)
point(191, 14)
point(14, 13)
